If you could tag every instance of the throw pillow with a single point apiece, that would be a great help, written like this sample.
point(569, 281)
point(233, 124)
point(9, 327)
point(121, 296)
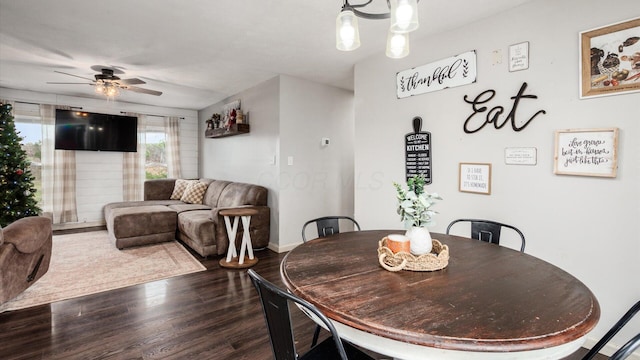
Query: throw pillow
point(194, 193)
point(179, 188)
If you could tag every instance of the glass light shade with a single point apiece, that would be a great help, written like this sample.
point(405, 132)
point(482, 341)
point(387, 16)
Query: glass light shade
point(111, 90)
point(404, 16)
point(100, 87)
point(397, 45)
point(347, 34)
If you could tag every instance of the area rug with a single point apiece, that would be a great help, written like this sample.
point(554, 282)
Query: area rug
point(89, 263)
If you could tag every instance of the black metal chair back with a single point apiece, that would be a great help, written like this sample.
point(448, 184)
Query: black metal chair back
point(275, 304)
point(327, 225)
point(628, 348)
point(488, 230)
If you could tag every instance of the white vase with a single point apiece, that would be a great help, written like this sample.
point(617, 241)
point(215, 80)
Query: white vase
point(420, 240)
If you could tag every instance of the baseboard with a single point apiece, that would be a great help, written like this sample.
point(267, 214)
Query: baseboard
point(608, 349)
point(70, 226)
point(280, 249)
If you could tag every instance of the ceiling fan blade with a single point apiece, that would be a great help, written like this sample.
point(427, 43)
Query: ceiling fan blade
point(81, 77)
point(132, 81)
point(66, 83)
point(142, 91)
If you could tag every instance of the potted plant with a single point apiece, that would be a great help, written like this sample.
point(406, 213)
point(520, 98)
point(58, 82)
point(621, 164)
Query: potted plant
point(414, 207)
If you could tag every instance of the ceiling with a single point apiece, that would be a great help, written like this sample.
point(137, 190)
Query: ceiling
point(197, 52)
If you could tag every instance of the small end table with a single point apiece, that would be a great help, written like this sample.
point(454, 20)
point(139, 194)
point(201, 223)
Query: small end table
point(233, 260)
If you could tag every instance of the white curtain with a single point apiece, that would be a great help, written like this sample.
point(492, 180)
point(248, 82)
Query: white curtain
point(172, 131)
point(133, 174)
point(58, 173)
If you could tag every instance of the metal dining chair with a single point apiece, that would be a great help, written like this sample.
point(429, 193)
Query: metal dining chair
point(487, 230)
point(275, 304)
point(628, 348)
point(327, 225)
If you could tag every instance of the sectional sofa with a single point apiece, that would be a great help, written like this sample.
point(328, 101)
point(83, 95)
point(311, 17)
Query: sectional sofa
point(188, 210)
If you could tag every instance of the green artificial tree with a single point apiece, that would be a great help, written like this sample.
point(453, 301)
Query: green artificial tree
point(17, 192)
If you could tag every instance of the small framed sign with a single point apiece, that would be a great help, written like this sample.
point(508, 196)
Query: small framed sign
point(520, 156)
point(475, 178)
point(586, 152)
point(519, 56)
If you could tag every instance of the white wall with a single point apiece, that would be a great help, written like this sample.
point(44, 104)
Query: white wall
point(288, 118)
point(585, 225)
point(249, 157)
point(99, 174)
point(320, 180)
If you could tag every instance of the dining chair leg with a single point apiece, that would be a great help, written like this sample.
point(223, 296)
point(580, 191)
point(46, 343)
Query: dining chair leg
point(316, 334)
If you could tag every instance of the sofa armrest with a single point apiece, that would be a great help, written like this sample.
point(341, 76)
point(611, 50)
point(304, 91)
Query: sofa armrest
point(28, 234)
point(159, 189)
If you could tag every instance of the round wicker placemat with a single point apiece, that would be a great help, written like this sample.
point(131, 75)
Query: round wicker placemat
point(437, 259)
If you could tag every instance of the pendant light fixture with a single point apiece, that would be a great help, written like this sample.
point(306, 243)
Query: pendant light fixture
point(347, 34)
point(404, 19)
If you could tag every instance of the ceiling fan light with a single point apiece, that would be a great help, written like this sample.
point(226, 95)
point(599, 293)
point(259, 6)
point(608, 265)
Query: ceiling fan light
point(347, 34)
point(112, 90)
point(397, 45)
point(404, 15)
point(100, 87)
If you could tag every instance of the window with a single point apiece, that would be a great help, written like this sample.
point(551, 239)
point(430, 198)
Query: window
point(155, 166)
point(30, 129)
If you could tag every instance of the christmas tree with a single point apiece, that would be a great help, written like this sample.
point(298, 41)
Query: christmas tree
point(17, 192)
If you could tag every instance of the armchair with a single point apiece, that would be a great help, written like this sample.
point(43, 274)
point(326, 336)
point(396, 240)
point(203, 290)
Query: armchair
point(25, 253)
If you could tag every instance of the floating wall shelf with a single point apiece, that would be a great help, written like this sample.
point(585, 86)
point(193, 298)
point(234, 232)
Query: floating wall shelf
point(236, 129)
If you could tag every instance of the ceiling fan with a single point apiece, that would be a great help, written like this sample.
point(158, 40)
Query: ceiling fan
point(108, 84)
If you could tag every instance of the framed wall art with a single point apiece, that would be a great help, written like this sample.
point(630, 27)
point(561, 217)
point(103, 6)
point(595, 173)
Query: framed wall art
point(586, 152)
point(475, 178)
point(610, 59)
point(519, 56)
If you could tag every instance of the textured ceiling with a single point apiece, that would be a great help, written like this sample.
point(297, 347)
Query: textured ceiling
point(197, 52)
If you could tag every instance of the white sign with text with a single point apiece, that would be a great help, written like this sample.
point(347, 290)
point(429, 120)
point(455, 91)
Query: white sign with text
point(451, 72)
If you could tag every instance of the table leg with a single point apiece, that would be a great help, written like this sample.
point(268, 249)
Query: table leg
point(246, 240)
point(231, 233)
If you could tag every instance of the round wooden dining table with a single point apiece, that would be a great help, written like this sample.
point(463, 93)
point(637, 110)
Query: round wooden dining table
point(490, 302)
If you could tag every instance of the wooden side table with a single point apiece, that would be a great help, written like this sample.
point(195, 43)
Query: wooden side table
point(233, 260)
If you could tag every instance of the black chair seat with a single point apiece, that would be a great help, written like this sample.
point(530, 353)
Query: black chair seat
point(326, 350)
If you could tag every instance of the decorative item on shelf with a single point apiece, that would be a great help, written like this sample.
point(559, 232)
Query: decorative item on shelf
point(414, 207)
point(231, 122)
point(437, 259)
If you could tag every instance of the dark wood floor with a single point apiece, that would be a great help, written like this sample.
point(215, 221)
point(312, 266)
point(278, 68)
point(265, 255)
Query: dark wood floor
point(214, 314)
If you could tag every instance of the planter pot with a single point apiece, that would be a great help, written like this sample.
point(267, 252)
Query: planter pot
point(420, 240)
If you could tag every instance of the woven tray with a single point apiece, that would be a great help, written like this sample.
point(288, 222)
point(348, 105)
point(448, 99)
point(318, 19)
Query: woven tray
point(437, 259)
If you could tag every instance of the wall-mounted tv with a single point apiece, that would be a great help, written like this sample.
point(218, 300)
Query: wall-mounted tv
point(81, 130)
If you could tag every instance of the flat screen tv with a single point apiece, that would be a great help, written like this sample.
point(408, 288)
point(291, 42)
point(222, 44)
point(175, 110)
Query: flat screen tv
point(81, 130)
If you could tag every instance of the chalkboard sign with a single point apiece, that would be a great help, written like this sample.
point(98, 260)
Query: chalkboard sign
point(417, 147)
point(587, 152)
